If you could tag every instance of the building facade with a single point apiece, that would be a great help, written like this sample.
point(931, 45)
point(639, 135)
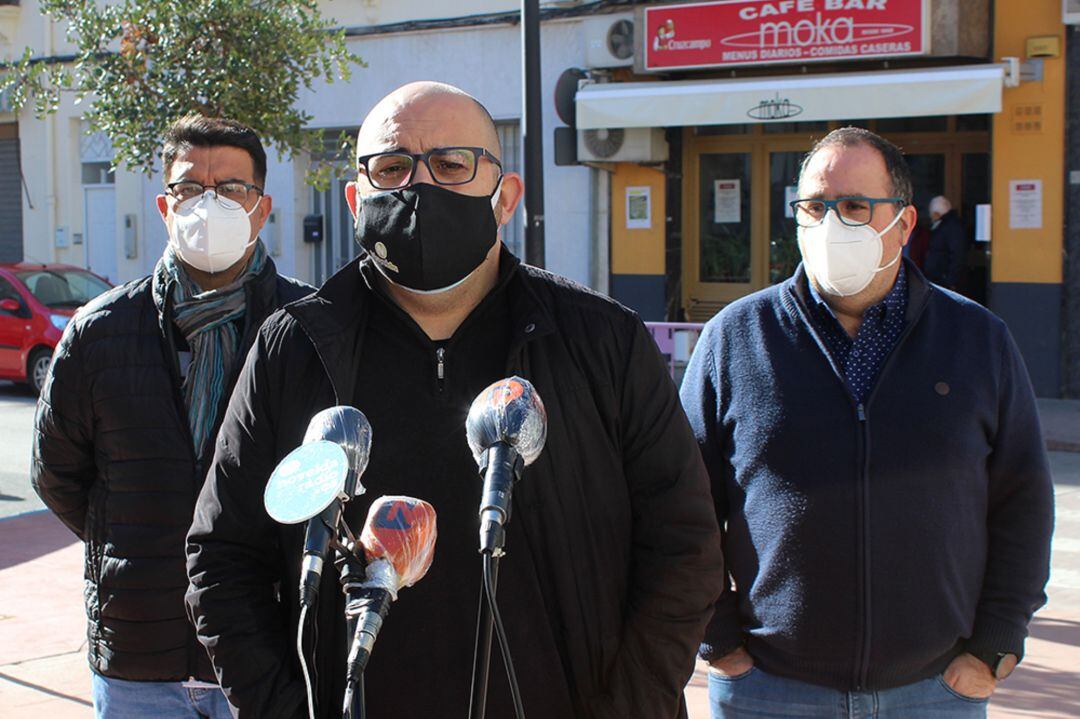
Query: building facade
point(691, 120)
point(56, 185)
point(724, 98)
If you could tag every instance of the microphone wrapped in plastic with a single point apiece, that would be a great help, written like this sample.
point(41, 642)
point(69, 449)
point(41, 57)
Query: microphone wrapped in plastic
point(399, 545)
point(313, 481)
point(506, 429)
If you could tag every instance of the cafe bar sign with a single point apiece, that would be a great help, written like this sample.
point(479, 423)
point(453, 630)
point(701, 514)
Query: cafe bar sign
point(754, 32)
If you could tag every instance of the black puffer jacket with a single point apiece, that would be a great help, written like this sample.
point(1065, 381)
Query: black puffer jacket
point(114, 459)
point(616, 512)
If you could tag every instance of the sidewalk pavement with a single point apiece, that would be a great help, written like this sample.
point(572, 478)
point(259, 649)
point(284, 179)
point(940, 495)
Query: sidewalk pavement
point(43, 669)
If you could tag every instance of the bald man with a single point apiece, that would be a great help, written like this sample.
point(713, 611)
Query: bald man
point(614, 557)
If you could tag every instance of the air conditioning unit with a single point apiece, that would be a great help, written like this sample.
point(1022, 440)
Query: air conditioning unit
point(1070, 12)
point(609, 40)
point(631, 144)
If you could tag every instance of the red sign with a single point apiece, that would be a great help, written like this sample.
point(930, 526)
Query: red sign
point(754, 32)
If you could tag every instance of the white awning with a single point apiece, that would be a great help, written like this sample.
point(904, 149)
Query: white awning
point(958, 90)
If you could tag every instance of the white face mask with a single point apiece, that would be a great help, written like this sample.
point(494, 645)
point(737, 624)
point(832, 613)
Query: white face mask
point(843, 260)
point(209, 235)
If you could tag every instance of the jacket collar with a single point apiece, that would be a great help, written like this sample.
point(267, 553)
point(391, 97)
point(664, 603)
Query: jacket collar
point(919, 290)
point(260, 291)
point(334, 318)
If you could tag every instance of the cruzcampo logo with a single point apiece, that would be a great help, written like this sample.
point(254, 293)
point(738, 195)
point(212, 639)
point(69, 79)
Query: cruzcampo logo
point(777, 108)
point(664, 34)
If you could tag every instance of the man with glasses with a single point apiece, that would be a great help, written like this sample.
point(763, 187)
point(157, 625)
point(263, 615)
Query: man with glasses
point(613, 555)
point(877, 470)
point(126, 422)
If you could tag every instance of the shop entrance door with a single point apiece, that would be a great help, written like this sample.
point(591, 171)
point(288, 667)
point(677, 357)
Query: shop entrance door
point(739, 232)
point(722, 263)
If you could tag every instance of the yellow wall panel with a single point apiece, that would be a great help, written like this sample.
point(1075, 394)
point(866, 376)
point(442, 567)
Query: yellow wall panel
point(1029, 144)
point(637, 251)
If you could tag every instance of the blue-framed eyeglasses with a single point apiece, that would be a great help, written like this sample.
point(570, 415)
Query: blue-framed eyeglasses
point(853, 211)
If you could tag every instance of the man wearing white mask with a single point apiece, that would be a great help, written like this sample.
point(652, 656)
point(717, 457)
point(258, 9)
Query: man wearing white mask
point(887, 509)
point(126, 420)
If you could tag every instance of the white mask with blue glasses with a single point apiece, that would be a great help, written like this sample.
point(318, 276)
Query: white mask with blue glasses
point(843, 259)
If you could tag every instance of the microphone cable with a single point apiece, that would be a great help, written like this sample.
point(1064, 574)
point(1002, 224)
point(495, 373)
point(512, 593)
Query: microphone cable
point(303, 662)
point(500, 632)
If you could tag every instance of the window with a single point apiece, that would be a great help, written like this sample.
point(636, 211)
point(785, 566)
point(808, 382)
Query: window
point(98, 173)
point(63, 288)
point(7, 291)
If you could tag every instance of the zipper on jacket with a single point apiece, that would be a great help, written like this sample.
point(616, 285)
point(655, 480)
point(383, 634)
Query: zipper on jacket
point(864, 517)
point(440, 366)
point(863, 665)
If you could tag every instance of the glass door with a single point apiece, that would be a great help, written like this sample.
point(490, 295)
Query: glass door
point(724, 218)
point(784, 254)
point(720, 261)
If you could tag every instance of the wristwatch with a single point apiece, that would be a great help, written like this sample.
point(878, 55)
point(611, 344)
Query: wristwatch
point(1001, 663)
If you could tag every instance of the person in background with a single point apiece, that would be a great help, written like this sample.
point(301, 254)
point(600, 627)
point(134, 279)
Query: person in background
point(127, 416)
point(918, 244)
point(946, 255)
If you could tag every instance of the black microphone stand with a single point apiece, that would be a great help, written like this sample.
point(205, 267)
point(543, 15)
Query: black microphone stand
point(352, 577)
point(485, 625)
point(500, 454)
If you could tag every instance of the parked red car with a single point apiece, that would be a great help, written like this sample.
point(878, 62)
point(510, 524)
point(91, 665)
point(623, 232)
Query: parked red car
point(36, 303)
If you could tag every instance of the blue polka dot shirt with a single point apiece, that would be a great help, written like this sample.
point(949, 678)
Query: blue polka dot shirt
point(862, 357)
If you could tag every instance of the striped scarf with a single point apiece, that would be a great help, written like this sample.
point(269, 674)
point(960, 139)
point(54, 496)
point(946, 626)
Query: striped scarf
point(208, 323)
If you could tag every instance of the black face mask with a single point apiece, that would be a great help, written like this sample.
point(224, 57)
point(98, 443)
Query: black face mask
point(427, 238)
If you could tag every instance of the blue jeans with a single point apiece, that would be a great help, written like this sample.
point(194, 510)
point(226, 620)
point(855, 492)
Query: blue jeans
point(757, 695)
point(122, 699)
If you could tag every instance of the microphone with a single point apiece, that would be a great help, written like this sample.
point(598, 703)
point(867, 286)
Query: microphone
point(506, 429)
point(399, 545)
point(314, 480)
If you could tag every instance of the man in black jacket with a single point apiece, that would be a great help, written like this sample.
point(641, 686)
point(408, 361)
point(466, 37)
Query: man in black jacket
point(613, 555)
point(946, 255)
point(876, 460)
point(127, 416)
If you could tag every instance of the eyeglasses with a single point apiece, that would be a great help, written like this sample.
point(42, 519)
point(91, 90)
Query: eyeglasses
point(227, 192)
point(852, 211)
point(447, 166)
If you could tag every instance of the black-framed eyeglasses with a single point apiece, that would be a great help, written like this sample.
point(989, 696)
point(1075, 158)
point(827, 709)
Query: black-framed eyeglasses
point(853, 211)
point(446, 165)
point(232, 191)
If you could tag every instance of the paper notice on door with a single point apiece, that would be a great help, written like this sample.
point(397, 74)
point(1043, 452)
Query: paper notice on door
point(1025, 204)
point(727, 201)
point(638, 208)
point(982, 223)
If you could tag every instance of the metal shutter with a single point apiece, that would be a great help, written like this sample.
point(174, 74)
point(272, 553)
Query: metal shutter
point(11, 239)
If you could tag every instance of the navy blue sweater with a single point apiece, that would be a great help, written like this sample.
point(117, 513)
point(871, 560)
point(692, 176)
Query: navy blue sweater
point(870, 544)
